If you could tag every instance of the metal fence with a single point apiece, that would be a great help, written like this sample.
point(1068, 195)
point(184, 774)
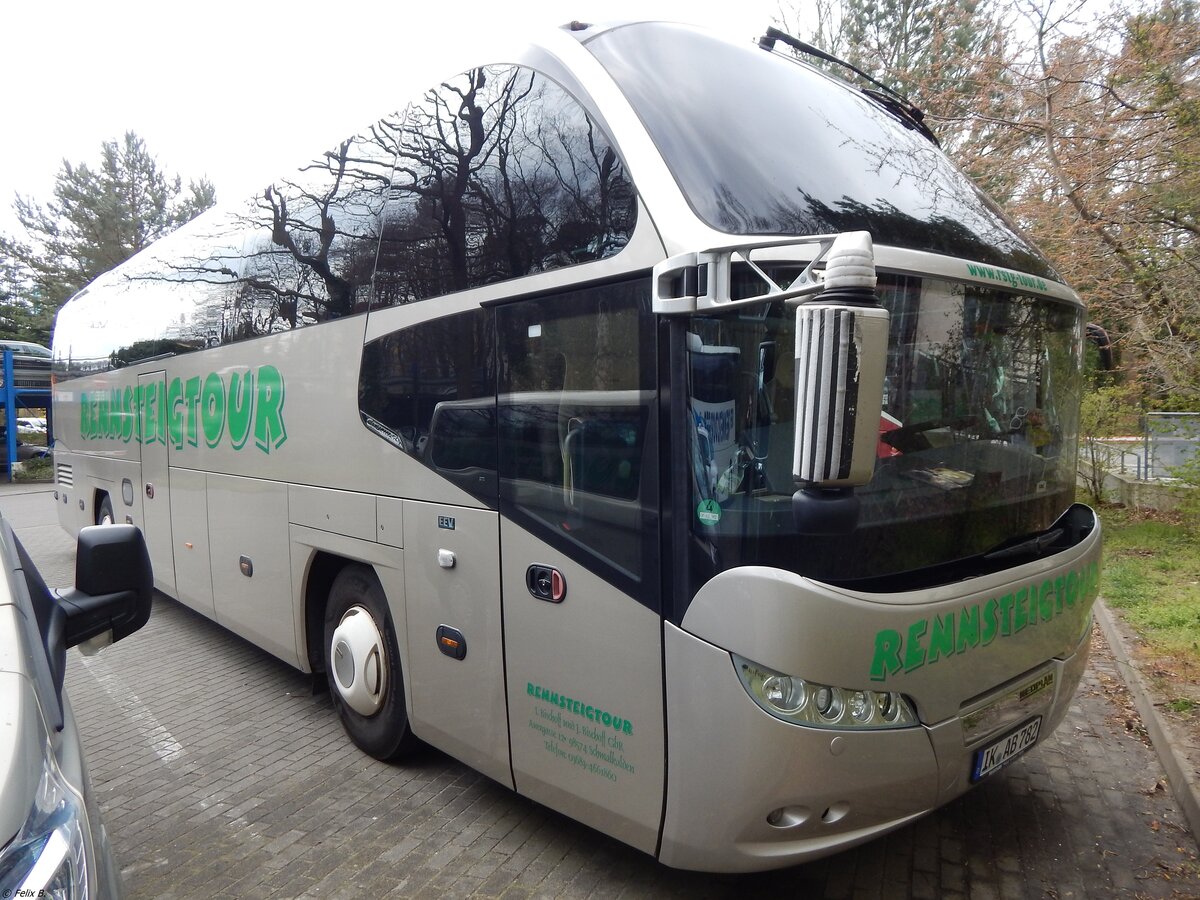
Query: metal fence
point(1171, 439)
point(1167, 441)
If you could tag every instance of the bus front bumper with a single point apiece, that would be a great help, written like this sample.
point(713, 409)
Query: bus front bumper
point(747, 791)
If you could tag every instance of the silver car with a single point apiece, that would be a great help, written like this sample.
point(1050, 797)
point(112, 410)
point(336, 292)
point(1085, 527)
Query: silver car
point(52, 842)
point(31, 365)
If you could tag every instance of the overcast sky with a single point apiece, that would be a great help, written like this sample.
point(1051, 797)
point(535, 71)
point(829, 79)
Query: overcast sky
point(226, 89)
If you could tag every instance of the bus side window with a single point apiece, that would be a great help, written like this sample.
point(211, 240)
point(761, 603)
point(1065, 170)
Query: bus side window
point(429, 390)
point(298, 253)
point(315, 235)
point(499, 173)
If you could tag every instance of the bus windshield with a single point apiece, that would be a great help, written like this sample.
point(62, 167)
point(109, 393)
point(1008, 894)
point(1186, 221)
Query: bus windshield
point(761, 144)
point(976, 445)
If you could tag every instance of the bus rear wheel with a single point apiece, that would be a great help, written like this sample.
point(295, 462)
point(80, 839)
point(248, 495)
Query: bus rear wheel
point(362, 665)
point(104, 515)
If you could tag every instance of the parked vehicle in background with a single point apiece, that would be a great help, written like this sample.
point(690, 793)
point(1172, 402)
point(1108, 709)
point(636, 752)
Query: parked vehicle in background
point(31, 364)
point(27, 451)
point(52, 842)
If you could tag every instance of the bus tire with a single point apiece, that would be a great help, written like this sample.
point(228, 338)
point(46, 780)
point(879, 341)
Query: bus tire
point(362, 665)
point(104, 514)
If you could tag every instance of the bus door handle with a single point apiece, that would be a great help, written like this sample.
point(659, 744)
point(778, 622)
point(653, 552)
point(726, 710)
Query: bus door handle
point(546, 583)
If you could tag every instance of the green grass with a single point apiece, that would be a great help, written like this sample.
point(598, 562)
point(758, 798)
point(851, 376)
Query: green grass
point(37, 438)
point(34, 470)
point(1152, 574)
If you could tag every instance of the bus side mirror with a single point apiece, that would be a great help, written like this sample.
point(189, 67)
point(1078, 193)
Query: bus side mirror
point(841, 358)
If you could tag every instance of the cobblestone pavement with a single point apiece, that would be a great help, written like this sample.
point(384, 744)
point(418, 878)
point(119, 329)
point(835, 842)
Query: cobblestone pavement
point(220, 774)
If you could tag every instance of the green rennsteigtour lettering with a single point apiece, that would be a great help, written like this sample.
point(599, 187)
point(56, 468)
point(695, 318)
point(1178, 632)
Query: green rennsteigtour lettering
point(941, 638)
point(268, 410)
point(927, 640)
point(175, 413)
point(221, 407)
point(914, 653)
point(887, 654)
point(968, 629)
point(1023, 616)
point(212, 409)
point(240, 407)
point(579, 708)
point(129, 414)
point(160, 412)
point(191, 400)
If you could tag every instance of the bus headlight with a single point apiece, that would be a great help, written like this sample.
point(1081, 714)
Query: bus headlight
point(805, 702)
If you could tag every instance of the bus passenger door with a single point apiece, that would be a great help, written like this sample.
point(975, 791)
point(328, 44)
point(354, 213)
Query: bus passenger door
point(156, 494)
point(579, 557)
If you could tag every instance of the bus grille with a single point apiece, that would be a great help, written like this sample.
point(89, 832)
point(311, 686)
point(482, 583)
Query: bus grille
point(64, 475)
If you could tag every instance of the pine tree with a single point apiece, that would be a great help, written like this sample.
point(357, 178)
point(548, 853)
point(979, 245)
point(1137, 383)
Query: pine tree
point(24, 315)
point(99, 217)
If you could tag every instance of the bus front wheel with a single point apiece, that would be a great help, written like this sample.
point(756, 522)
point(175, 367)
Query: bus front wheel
point(362, 664)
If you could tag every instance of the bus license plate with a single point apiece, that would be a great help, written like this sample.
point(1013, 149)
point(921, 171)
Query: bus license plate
point(1005, 750)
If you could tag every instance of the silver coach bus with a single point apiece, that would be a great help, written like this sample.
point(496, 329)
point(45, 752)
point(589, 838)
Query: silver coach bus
point(695, 456)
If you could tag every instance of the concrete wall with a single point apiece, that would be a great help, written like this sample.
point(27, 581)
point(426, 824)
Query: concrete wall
point(1129, 491)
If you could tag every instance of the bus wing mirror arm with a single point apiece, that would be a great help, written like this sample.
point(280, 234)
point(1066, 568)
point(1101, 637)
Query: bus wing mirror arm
point(702, 280)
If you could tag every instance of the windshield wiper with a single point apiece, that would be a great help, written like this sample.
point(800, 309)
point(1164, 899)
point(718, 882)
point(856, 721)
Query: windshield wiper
point(1034, 547)
point(890, 99)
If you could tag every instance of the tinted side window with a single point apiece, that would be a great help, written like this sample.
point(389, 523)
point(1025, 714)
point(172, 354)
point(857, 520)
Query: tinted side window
point(311, 240)
point(577, 420)
point(429, 390)
point(299, 253)
point(500, 173)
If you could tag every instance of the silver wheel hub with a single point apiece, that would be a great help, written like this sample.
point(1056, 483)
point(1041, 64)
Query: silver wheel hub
point(359, 660)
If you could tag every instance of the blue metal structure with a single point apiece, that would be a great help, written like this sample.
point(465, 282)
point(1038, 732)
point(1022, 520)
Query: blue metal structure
point(15, 398)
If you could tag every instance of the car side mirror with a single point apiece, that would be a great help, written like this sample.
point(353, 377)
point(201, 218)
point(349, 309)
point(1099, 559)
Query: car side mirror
point(114, 585)
point(113, 593)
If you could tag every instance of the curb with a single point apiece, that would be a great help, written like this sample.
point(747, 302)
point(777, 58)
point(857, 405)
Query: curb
point(1184, 785)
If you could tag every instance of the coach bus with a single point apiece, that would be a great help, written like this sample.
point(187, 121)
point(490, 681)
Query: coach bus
point(693, 455)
